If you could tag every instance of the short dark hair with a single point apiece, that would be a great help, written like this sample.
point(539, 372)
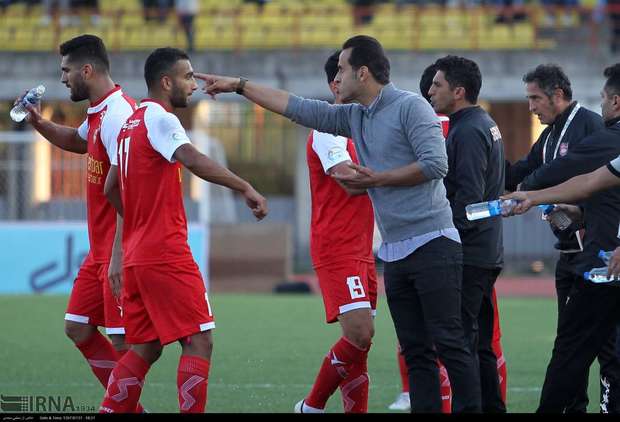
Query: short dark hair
point(160, 62)
point(87, 49)
point(331, 66)
point(367, 51)
point(426, 81)
point(463, 72)
point(550, 77)
point(612, 85)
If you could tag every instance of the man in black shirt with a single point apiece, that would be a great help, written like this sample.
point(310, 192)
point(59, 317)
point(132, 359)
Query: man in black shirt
point(475, 174)
point(549, 94)
point(589, 318)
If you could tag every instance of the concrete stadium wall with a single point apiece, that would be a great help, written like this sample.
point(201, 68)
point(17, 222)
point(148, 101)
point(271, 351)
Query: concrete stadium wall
point(301, 72)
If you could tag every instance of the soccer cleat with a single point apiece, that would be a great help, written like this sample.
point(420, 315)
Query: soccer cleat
point(302, 407)
point(401, 403)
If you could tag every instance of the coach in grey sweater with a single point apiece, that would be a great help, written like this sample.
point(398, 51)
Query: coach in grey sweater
point(403, 159)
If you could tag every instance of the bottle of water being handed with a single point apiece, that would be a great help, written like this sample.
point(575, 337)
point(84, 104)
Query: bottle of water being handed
point(489, 209)
point(557, 217)
point(19, 112)
point(605, 256)
point(599, 276)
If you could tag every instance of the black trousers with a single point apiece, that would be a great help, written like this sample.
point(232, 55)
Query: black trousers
point(424, 297)
point(478, 318)
point(565, 281)
point(586, 326)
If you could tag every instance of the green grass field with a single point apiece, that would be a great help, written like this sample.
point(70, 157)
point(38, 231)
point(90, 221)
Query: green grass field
point(267, 351)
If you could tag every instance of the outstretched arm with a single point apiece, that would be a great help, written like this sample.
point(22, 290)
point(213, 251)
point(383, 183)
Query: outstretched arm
point(314, 114)
point(207, 169)
point(574, 190)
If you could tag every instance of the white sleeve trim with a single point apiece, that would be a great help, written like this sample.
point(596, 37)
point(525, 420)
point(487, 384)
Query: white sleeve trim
point(331, 150)
point(76, 318)
point(83, 130)
point(353, 306)
point(114, 330)
point(615, 163)
point(207, 326)
point(165, 132)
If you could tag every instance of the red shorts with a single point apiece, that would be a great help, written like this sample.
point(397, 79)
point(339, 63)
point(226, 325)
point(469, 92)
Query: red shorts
point(92, 301)
point(164, 302)
point(346, 286)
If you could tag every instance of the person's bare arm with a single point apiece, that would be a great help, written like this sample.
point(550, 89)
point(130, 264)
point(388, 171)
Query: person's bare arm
point(64, 137)
point(272, 99)
point(207, 169)
point(112, 191)
point(572, 191)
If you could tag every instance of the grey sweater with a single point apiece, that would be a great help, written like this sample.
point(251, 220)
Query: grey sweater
point(399, 128)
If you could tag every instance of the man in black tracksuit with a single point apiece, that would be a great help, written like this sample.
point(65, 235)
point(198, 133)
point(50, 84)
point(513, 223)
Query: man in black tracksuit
point(475, 174)
point(589, 319)
point(550, 97)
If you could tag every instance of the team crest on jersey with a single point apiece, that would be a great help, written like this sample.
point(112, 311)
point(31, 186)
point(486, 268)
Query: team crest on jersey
point(130, 124)
point(335, 154)
point(495, 133)
point(563, 149)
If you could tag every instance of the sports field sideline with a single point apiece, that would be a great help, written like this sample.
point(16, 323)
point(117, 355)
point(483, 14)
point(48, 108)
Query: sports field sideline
point(267, 350)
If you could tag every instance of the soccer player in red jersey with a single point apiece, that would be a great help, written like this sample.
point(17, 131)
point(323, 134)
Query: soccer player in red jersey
point(341, 248)
point(164, 296)
point(402, 401)
point(86, 72)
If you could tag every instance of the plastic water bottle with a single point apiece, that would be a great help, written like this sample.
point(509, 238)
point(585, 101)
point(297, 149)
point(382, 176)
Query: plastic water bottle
point(605, 256)
point(599, 276)
point(489, 209)
point(19, 112)
point(558, 218)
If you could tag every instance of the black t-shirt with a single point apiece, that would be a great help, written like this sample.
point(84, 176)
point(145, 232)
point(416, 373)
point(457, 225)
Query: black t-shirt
point(601, 210)
point(475, 174)
point(536, 171)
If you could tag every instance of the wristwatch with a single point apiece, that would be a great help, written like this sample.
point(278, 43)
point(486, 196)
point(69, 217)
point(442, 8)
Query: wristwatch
point(242, 82)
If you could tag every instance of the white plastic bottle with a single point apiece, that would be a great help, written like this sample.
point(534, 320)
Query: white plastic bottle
point(489, 209)
point(19, 112)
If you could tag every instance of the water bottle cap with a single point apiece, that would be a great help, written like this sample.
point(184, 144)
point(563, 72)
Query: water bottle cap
point(586, 275)
point(546, 208)
point(601, 254)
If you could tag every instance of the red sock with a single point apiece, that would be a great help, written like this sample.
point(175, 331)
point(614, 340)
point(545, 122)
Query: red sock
point(121, 353)
point(192, 380)
point(444, 389)
point(404, 376)
point(334, 370)
point(501, 369)
point(100, 355)
point(125, 384)
point(354, 388)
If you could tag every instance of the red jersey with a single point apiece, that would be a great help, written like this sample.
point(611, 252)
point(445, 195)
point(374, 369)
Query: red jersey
point(100, 130)
point(154, 222)
point(342, 225)
point(445, 124)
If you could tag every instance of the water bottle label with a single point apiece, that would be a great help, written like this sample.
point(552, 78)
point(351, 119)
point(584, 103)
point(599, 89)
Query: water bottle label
point(495, 208)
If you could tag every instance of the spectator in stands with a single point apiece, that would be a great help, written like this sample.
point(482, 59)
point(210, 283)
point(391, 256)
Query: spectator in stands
point(563, 8)
point(613, 9)
point(186, 11)
point(156, 10)
point(53, 9)
point(260, 3)
point(363, 11)
point(509, 11)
